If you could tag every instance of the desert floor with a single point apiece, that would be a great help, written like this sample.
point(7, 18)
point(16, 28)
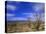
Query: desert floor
point(26, 27)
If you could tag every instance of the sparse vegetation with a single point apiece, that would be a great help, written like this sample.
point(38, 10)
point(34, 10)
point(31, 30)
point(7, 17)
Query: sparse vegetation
point(26, 27)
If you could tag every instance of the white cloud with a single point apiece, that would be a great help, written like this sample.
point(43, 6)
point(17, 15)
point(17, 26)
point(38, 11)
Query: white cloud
point(29, 14)
point(11, 7)
point(17, 18)
point(38, 7)
point(9, 15)
point(32, 16)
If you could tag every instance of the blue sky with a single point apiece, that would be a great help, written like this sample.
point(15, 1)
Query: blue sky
point(23, 10)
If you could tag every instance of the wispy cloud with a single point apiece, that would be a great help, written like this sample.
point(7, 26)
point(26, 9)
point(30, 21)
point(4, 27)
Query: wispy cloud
point(11, 7)
point(10, 15)
point(38, 7)
point(33, 16)
point(17, 18)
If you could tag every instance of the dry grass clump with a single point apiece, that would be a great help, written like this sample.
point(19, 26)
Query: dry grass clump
point(26, 27)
